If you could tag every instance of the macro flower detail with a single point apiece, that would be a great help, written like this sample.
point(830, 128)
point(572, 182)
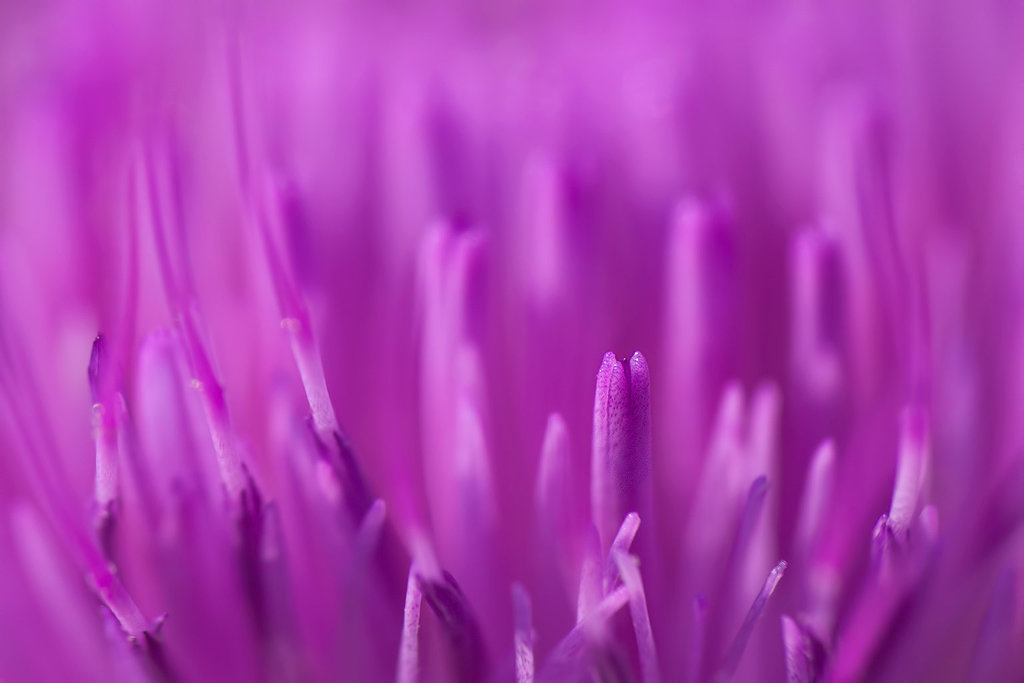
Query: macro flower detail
point(511, 341)
point(621, 467)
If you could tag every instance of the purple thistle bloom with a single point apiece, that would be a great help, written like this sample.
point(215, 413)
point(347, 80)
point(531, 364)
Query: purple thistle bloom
point(301, 307)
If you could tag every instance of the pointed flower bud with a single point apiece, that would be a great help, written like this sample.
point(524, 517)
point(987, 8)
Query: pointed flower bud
point(621, 460)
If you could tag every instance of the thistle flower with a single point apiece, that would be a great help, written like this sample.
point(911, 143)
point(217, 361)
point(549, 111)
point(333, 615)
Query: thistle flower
point(301, 308)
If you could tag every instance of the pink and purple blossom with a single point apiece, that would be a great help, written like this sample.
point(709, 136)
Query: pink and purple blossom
point(511, 341)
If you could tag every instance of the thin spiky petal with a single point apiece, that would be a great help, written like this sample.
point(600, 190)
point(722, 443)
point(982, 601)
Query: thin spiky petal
point(803, 654)
point(630, 571)
point(158, 664)
point(701, 317)
point(340, 468)
point(105, 491)
point(311, 372)
point(31, 533)
point(170, 426)
point(523, 634)
point(112, 592)
point(409, 649)
point(928, 526)
point(472, 470)
point(894, 573)
point(899, 565)
point(817, 492)
point(752, 511)
point(567, 654)
point(123, 661)
point(234, 475)
point(734, 654)
point(713, 509)
point(558, 523)
point(621, 544)
point(590, 575)
point(371, 528)
point(553, 491)
point(753, 508)
point(176, 273)
point(910, 472)
point(468, 655)
point(295, 319)
point(453, 393)
point(763, 427)
point(817, 313)
point(882, 541)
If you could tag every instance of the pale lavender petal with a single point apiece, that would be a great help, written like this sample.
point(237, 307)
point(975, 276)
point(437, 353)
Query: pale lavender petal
point(911, 471)
point(701, 320)
point(105, 434)
point(802, 659)
point(817, 492)
point(409, 652)
point(630, 571)
point(621, 544)
point(523, 634)
point(466, 649)
point(567, 654)
point(553, 490)
point(591, 588)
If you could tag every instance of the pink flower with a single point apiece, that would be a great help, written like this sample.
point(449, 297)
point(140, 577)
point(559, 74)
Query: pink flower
point(354, 268)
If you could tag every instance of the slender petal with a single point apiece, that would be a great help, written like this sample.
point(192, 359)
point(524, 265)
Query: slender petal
point(623, 540)
point(567, 654)
point(739, 643)
point(409, 652)
point(523, 634)
point(630, 572)
point(800, 659)
point(910, 473)
point(817, 492)
point(105, 434)
point(459, 625)
point(590, 575)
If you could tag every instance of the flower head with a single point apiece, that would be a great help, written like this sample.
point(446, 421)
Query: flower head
point(301, 307)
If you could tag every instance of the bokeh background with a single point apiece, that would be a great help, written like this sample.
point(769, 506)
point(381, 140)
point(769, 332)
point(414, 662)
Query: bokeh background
point(861, 165)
